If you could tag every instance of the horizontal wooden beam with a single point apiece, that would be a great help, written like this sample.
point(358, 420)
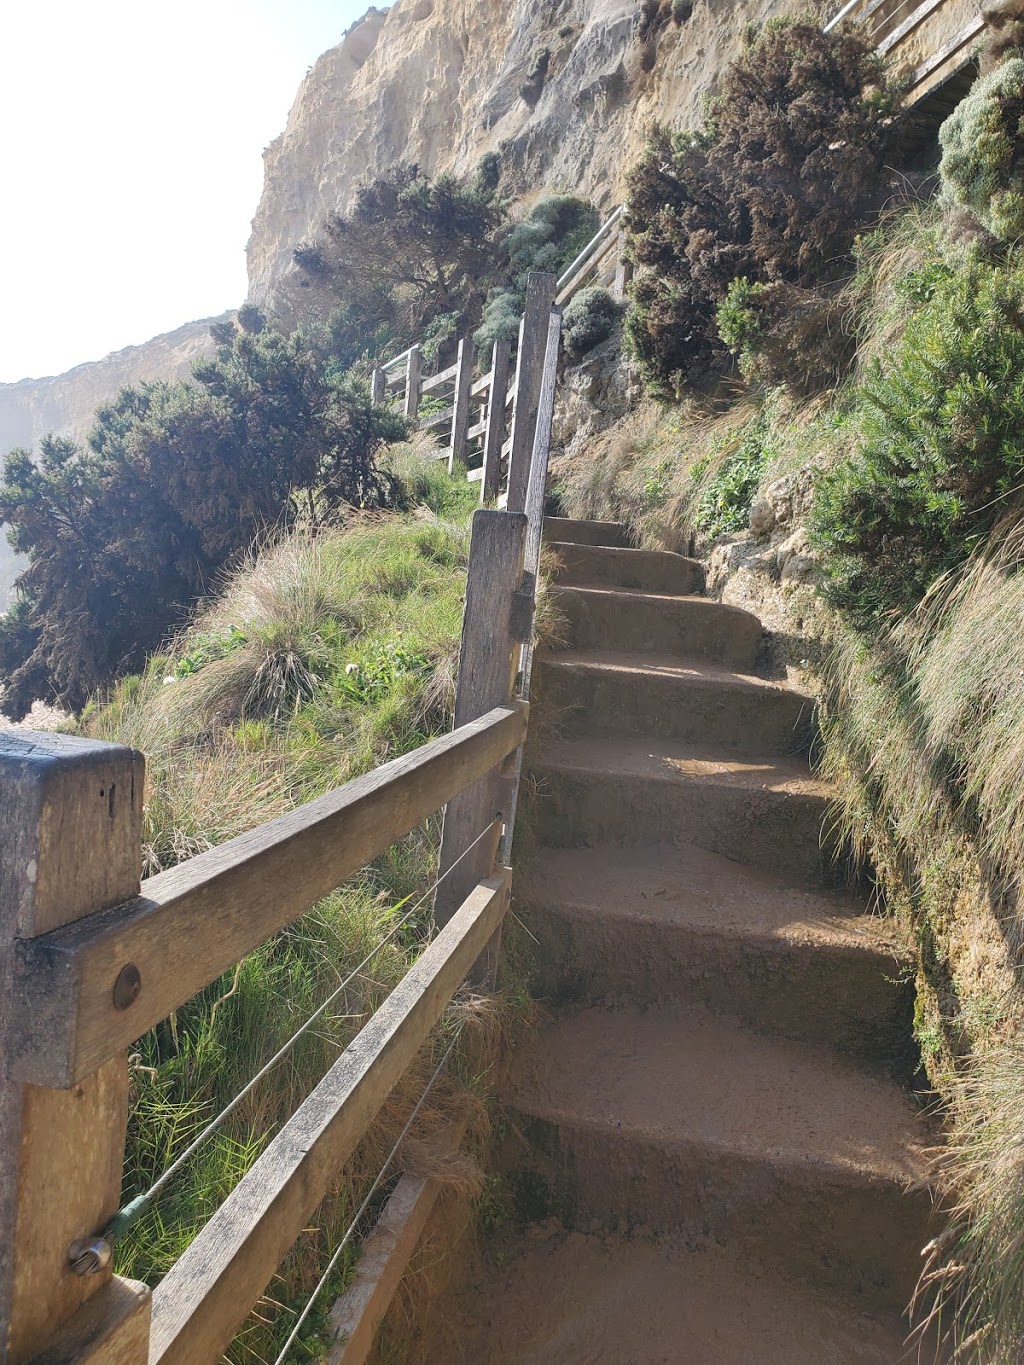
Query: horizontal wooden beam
point(482, 385)
point(437, 381)
point(112, 1328)
point(196, 921)
point(438, 419)
point(203, 1300)
point(960, 40)
point(916, 17)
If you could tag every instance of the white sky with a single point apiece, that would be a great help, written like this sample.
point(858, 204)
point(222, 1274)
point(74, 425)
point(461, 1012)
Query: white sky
point(131, 140)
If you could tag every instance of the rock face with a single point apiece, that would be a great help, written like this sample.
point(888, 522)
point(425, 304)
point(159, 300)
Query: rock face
point(439, 83)
point(65, 403)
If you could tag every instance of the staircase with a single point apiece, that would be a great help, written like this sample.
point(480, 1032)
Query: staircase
point(710, 1134)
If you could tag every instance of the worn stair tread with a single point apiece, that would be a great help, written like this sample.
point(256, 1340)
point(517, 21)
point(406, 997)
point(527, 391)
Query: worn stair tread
point(671, 762)
point(582, 1299)
point(679, 624)
point(616, 566)
point(686, 887)
point(670, 667)
point(696, 1081)
point(578, 532)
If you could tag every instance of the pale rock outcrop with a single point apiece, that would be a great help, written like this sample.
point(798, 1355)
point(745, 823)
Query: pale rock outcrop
point(439, 84)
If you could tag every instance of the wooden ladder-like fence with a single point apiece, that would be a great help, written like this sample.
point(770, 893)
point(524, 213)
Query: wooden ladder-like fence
point(91, 958)
point(474, 418)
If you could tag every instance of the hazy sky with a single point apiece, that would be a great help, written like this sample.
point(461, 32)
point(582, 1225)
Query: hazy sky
point(131, 140)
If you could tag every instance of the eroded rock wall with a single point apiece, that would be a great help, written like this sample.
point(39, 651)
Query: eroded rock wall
point(440, 84)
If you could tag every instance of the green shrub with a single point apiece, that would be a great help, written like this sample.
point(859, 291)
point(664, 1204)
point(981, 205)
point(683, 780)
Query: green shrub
point(782, 334)
point(589, 318)
point(726, 499)
point(790, 163)
point(982, 164)
point(549, 238)
point(937, 439)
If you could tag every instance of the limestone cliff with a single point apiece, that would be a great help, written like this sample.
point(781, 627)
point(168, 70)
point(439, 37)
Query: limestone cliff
point(439, 82)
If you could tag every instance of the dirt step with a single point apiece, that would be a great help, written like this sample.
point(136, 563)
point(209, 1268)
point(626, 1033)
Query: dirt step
point(607, 566)
point(692, 1124)
point(663, 924)
point(568, 530)
point(571, 1298)
point(768, 812)
point(599, 693)
point(659, 623)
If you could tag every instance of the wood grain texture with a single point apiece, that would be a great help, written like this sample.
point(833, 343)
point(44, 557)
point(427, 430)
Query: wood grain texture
point(204, 1299)
point(413, 377)
point(378, 387)
point(460, 418)
point(488, 662)
point(384, 1259)
point(70, 830)
point(494, 436)
point(540, 295)
point(197, 920)
point(111, 1329)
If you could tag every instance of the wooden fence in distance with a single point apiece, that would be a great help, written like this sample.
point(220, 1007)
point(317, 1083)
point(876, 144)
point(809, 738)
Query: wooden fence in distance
point(474, 417)
point(91, 958)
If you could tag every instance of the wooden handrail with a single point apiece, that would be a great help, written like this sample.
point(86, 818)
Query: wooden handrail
point(206, 1296)
point(194, 922)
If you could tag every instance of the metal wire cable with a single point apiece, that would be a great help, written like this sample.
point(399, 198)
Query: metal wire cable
point(127, 1216)
point(366, 1202)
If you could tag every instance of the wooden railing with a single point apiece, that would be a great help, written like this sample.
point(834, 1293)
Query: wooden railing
point(928, 40)
point(91, 958)
point(475, 418)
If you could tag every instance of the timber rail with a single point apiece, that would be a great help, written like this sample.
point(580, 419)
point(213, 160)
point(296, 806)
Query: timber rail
point(91, 957)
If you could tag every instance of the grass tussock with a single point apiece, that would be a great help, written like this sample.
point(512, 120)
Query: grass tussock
point(322, 656)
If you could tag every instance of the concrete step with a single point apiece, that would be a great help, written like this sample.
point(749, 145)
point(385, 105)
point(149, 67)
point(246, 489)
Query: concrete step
point(600, 693)
point(679, 925)
point(622, 619)
point(767, 812)
point(558, 1297)
point(568, 529)
point(607, 566)
point(695, 1125)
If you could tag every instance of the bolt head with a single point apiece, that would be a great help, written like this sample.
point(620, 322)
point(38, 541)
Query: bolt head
point(127, 987)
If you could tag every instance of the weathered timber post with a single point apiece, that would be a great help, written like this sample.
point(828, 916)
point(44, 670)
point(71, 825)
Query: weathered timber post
point(533, 335)
point(413, 382)
point(488, 665)
point(378, 387)
point(623, 269)
point(70, 847)
point(460, 418)
point(494, 437)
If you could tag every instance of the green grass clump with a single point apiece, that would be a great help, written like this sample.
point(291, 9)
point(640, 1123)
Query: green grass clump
point(726, 498)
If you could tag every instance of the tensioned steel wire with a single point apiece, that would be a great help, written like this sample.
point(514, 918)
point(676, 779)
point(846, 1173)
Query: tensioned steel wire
point(130, 1214)
point(350, 1233)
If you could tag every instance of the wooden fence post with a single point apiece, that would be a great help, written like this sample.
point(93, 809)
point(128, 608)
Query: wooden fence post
point(460, 418)
point(413, 382)
point(623, 269)
point(70, 846)
point(494, 437)
point(533, 335)
point(488, 664)
point(378, 387)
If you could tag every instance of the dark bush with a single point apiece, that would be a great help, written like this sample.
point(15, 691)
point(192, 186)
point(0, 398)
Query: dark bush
point(589, 318)
point(789, 166)
point(533, 86)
